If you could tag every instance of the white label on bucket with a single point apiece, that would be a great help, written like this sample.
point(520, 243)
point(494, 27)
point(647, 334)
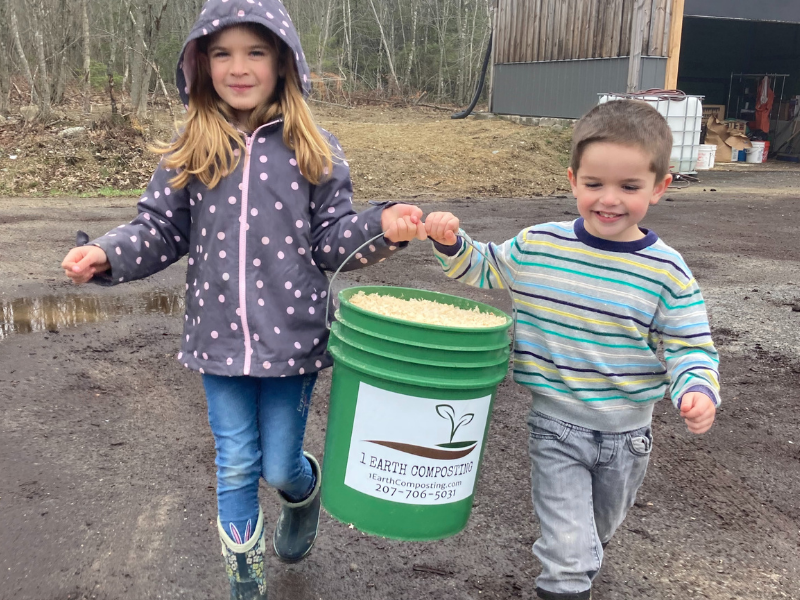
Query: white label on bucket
point(415, 450)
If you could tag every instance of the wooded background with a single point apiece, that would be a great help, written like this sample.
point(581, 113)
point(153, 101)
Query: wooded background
point(383, 48)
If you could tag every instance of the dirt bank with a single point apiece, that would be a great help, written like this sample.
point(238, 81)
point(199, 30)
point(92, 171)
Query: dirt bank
point(392, 152)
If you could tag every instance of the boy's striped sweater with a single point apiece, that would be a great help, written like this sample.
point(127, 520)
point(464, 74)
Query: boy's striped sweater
point(590, 315)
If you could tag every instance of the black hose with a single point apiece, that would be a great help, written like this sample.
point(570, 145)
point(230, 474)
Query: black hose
point(467, 111)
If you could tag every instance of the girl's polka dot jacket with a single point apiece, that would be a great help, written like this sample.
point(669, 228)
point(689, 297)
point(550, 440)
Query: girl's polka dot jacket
point(257, 244)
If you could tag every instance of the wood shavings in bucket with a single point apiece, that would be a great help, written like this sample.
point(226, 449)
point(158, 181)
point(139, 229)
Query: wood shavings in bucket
point(425, 311)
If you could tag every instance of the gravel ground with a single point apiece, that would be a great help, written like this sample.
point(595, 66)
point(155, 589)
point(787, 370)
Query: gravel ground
point(106, 460)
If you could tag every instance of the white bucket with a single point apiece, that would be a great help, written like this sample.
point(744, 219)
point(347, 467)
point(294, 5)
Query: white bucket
point(754, 154)
point(705, 157)
point(763, 146)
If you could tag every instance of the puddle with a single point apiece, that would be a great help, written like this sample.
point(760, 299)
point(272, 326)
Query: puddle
point(52, 313)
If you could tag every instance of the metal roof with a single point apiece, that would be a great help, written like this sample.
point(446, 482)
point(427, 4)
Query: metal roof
point(782, 11)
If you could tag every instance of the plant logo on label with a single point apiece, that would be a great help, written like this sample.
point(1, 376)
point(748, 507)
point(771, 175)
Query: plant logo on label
point(415, 450)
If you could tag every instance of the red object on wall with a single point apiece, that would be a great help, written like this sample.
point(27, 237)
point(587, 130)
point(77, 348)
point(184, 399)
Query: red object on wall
point(764, 99)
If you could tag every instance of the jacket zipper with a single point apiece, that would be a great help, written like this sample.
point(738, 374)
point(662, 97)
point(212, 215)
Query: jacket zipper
point(243, 247)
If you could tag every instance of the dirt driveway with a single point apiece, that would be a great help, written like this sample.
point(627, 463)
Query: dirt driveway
point(106, 458)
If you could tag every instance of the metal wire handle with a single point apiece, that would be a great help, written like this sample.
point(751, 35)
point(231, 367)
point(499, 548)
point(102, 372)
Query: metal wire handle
point(467, 240)
point(330, 283)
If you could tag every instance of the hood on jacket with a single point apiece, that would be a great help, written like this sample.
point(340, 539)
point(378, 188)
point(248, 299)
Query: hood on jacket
point(218, 14)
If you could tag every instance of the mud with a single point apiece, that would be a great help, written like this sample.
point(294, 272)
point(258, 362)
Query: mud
point(107, 461)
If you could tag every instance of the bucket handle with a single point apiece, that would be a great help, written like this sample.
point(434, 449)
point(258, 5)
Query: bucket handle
point(341, 266)
point(462, 234)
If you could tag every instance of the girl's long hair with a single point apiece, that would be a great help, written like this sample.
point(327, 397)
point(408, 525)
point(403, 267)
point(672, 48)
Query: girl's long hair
point(204, 146)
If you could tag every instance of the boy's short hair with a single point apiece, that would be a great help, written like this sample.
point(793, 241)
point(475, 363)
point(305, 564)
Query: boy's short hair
point(629, 123)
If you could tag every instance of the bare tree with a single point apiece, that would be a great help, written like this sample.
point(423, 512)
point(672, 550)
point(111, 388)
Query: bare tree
point(87, 57)
point(394, 81)
point(347, 28)
point(147, 29)
point(44, 80)
point(20, 50)
point(5, 71)
point(323, 36)
point(399, 46)
point(413, 42)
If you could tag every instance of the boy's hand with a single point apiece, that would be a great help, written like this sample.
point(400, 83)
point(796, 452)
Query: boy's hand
point(81, 263)
point(402, 223)
point(442, 227)
point(698, 411)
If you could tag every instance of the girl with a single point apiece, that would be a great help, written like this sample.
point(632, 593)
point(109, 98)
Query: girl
point(260, 200)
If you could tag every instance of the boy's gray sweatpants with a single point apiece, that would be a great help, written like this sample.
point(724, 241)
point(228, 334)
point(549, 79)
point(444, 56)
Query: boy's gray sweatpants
point(582, 483)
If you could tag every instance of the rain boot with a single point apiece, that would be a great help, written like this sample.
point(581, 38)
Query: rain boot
point(245, 563)
point(297, 526)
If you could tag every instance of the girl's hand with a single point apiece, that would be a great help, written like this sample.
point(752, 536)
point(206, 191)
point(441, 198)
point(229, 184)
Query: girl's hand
point(698, 411)
point(402, 223)
point(442, 227)
point(81, 263)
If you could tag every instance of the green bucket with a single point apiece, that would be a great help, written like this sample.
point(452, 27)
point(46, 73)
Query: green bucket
point(409, 411)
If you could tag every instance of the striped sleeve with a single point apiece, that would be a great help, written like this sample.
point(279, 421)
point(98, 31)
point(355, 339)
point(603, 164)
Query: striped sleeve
point(692, 360)
point(492, 266)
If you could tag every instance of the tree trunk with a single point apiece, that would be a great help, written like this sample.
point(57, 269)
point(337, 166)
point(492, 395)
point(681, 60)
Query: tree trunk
point(149, 37)
point(441, 18)
point(112, 54)
point(414, 15)
point(87, 58)
point(5, 73)
point(5, 77)
point(347, 17)
point(323, 41)
point(394, 83)
point(44, 80)
point(137, 58)
point(461, 20)
point(60, 66)
point(20, 51)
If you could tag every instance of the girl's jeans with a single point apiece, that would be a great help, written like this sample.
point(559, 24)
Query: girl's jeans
point(258, 425)
point(583, 482)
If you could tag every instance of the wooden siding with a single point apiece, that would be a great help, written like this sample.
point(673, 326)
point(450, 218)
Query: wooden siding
point(545, 30)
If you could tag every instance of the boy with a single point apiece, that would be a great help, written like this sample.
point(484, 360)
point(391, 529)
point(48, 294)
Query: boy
point(594, 297)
